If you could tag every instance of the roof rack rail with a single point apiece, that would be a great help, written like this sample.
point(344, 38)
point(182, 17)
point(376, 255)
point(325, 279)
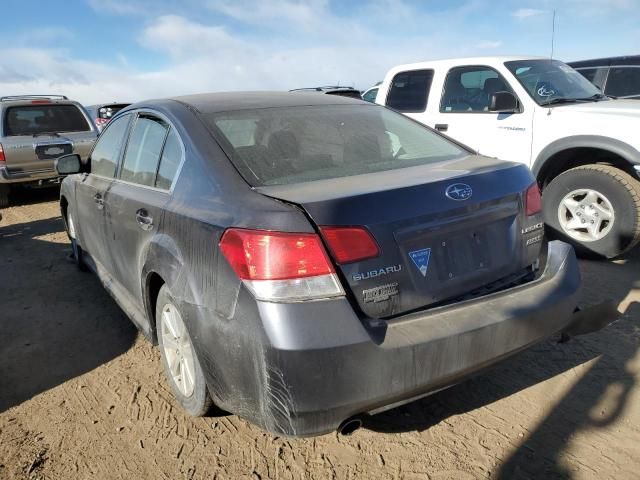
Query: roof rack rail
point(32, 97)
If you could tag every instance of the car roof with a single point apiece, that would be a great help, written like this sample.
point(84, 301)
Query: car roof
point(231, 101)
point(608, 61)
point(451, 62)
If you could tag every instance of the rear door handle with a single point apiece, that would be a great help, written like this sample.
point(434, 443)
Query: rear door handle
point(99, 201)
point(442, 127)
point(144, 220)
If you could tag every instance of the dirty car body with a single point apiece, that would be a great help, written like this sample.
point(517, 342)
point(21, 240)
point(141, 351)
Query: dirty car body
point(328, 257)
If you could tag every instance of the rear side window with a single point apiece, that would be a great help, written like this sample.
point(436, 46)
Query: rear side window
point(409, 91)
point(286, 145)
point(104, 157)
point(170, 161)
point(143, 151)
point(41, 119)
point(623, 82)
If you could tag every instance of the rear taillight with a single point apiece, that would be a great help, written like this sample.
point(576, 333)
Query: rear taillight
point(350, 244)
point(3, 159)
point(101, 122)
point(533, 200)
point(281, 266)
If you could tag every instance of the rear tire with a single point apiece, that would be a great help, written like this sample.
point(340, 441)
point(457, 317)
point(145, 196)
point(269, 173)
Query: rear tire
point(4, 196)
point(179, 359)
point(596, 208)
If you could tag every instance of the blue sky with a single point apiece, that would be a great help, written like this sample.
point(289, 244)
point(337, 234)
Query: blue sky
point(102, 50)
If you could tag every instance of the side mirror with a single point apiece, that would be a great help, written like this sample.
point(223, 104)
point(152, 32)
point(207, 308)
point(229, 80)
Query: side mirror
point(68, 164)
point(503, 102)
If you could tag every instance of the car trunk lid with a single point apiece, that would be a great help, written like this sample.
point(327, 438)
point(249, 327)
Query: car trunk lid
point(434, 244)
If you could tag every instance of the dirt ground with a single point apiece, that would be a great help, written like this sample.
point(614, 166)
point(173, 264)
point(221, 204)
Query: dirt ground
point(82, 395)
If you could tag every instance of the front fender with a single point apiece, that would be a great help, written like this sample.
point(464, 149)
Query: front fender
point(622, 149)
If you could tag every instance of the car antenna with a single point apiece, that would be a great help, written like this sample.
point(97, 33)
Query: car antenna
point(553, 32)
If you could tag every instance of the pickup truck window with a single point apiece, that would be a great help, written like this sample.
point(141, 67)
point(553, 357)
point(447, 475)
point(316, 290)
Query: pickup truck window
point(551, 82)
point(469, 89)
point(409, 91)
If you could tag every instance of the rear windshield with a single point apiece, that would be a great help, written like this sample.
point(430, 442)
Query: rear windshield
point(279, 146)
point(40, 119)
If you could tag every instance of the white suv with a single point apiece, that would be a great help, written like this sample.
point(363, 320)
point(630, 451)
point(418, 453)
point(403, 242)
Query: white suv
point(583, 147)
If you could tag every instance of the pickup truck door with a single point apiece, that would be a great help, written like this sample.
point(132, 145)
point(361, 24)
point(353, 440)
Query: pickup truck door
point(463, 114)
point(92, 191)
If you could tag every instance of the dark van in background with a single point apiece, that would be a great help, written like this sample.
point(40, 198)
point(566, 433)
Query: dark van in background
point(615, 76)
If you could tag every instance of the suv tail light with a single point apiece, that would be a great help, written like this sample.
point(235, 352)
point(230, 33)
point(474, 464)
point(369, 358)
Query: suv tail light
point(350, 244)
point(281, 266)
point(3, 159)
point(533, 200)
point(101, 122)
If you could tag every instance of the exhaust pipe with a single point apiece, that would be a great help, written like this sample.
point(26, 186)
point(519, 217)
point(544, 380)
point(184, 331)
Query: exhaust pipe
point(350, 425)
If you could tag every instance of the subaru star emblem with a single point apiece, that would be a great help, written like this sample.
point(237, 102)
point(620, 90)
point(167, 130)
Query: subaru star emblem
point(458, 191)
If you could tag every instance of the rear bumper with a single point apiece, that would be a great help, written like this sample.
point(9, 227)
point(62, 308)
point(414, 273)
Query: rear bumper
point(320, 365)
point(7, 176)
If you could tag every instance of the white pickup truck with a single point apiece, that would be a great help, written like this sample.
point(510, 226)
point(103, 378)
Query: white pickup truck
point(583, 146)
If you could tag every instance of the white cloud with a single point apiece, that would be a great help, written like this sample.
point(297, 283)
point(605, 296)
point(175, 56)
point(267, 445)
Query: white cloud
point(527, 12)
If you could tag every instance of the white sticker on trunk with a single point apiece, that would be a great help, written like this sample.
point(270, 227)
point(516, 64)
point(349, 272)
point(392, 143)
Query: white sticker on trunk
point(421, 259)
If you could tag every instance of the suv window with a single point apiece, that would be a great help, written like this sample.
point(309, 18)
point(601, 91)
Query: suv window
point(595, 75)
point(469, 89)
point(40, 119)
point(143, 151)
point(623, 82)
point(170, 161)
point(409, 91)
point(104, 157)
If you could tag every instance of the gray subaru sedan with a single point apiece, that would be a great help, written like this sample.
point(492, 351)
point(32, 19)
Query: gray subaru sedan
point(303, 260)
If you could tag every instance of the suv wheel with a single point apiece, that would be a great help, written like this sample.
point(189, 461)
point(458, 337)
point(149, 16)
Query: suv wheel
point(179, 358)
point(4, 196)
point(596, 208)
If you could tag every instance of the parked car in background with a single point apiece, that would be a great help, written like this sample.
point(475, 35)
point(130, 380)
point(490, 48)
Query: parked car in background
point(102, 113)
point(305, 258)
point(582, 146)
point(370, 94)
point(332, 90)
point(615, 76)
point(34, 131)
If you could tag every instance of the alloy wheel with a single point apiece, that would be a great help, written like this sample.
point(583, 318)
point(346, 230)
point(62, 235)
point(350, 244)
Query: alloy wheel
point(178, 350)
point(586, 215)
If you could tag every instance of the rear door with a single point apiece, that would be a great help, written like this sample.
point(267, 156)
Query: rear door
point(138, 195)
point(37, 133)
point(92, 191)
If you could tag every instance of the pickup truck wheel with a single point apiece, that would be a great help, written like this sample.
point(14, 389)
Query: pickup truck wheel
point(596, 208)
point(179, 358)
point(77, 254)
point(4, 196)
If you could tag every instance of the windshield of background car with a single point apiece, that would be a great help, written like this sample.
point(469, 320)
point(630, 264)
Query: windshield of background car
point(279, 146)
point(547, 80)
point(41, 119)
